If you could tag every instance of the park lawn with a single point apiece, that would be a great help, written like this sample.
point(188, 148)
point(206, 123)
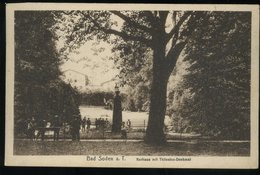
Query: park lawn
point(27, 147)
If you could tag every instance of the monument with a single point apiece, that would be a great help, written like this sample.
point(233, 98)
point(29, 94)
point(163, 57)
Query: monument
point(117, 112)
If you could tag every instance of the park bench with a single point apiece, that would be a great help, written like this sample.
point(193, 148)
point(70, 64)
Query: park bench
point(44, 129)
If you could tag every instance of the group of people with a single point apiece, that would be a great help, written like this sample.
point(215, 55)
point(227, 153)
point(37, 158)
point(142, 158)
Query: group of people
point(74, 126)
point(101, 123)
point(41, 126)
point(85, 122)
point(127, 124)
point(125, 127)
point(54, 125)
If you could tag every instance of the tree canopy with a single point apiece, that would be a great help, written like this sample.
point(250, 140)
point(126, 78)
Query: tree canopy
point(218, 77)
point(39, 92)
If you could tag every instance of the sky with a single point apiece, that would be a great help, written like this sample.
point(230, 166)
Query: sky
point(97, 66)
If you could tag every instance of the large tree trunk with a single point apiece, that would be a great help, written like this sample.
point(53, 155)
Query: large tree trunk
point(154, 132)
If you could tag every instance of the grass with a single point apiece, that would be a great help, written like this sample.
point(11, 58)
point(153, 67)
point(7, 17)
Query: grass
point(27, 147)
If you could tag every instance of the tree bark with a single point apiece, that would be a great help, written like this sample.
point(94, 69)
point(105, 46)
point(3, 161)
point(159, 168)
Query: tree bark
point(162, 67)
point(154, 133)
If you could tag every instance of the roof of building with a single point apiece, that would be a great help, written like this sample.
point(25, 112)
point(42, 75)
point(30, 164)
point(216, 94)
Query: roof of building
point(74, 71)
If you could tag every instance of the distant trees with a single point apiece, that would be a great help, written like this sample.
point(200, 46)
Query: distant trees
point(132, 100)
point(96, 98)
point(136, 77)
point(39, 92)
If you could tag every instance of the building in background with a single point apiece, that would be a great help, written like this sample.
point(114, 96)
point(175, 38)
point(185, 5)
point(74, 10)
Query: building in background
point(77, 79)
point(81, 82)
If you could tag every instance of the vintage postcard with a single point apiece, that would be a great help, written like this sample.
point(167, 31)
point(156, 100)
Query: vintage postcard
point(132, 85)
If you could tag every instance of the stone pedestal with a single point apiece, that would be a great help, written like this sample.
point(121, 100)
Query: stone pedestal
point(117, 114)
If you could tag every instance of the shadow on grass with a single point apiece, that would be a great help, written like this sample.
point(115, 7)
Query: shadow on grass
point(27, 147)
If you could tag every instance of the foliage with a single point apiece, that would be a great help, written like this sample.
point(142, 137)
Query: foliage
point(139, 32)
point(145, 40)
point(96, 98)
point(132, 99)
point(137, 79)
point(219, 76)
point(39, 92)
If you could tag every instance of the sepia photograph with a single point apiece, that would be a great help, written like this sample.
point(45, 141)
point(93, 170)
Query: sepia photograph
point(112, 85)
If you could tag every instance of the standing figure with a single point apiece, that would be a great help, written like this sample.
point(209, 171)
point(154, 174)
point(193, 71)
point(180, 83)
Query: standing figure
point(123, 124)
point(75, 127)
point(31, 129)
point(128, 123)
point(99, 123)
point(96, 123)
point(83, 124)
point(124, 132)
point(41, 129)
point(106, 123)
point(117, 113)
point(88, 124)
point(56, 127)
point(102, 123)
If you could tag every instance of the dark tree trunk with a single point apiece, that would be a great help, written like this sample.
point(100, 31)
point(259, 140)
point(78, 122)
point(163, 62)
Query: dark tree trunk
point(154, 132)
point(162, 67)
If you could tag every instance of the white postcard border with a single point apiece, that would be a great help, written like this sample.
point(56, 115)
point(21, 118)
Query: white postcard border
point(80, 161)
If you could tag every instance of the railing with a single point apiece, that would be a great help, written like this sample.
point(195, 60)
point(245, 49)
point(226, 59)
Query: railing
point(102, 131)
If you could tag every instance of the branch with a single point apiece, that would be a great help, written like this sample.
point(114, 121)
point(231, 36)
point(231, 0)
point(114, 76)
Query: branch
point(176, 49)
point(123, 35)
point(175, 39)
point(131, 22)
point(151, 18)
point(176, 28)
point(173, 55)
point(149, 15)
point(155, 13)
point(163, 16)
point(127, 37)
